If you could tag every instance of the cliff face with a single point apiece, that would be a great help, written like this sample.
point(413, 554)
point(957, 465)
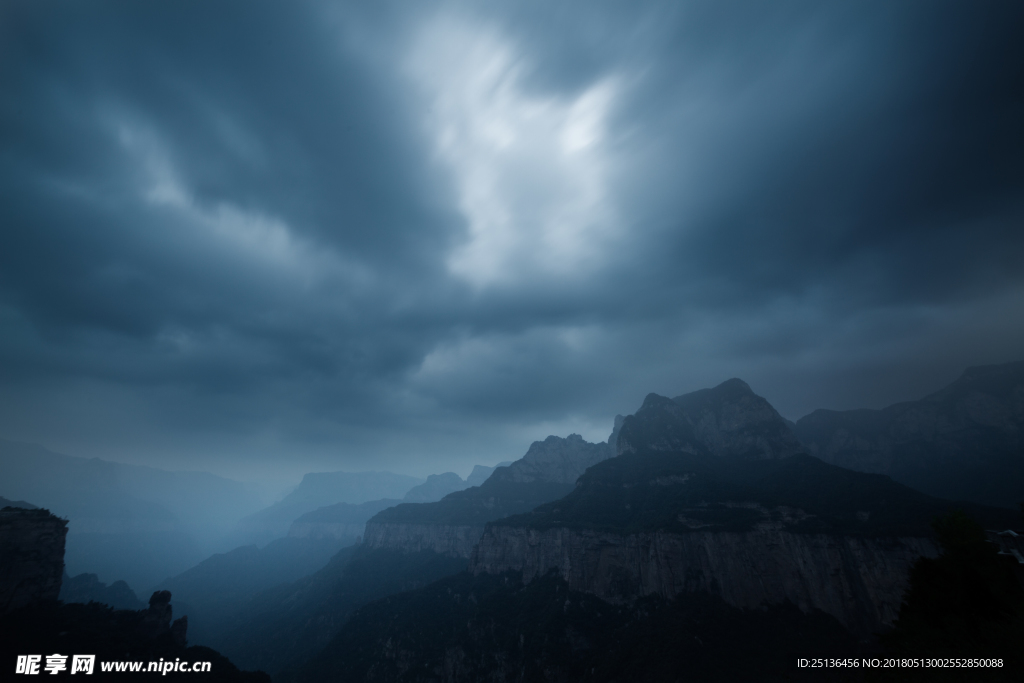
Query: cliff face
point(336, 530)
point(31, 557)
point(729, 421)
point(749, 531)
point(963, 442)
point(453, 540)
point(859, 581)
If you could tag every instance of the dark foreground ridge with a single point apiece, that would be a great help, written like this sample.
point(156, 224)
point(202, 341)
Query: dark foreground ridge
point(112, 635)
point(284, 626)
point(496, 628)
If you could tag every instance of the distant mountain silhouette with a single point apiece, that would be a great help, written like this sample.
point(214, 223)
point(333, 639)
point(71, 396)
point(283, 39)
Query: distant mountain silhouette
point(480, 473)
point(965, 441)
point(341, 520)
point(86, 588)
point(435, 488)
point(16, 504)
point(317, 490)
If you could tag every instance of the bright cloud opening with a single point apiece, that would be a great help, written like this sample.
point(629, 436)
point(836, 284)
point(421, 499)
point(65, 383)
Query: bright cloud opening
point(530, 170)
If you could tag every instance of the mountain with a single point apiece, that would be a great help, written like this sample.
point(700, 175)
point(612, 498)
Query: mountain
point(555, 461)
point(16, 504)
point(480, 473)
point(341, 521)
point(317, 490)
point(728, 421)
point(749, 531)
point(965, 441)
point(86, 588)
point(435, 488)
point(710, 548)
point(31, 557)
point(453, 525)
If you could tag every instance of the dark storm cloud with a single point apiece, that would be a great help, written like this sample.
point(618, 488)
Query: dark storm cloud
point(344, 232)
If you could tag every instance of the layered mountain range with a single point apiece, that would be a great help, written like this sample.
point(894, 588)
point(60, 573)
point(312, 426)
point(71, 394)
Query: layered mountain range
point(711, 494)
point(712, 506)
point(317, 490)
point(707, 508)
point(453, 525)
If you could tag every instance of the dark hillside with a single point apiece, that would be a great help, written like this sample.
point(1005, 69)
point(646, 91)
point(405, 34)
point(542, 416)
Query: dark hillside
point(283, 626)
point(963, 442)
point(494, 628)
point(681, 492)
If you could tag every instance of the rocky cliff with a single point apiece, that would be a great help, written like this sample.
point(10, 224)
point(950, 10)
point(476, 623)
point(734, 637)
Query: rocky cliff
point(453, 540)
point(453, 525)
point(31, 557)
point(859, 581)
point(751, 532)
point(963, 442)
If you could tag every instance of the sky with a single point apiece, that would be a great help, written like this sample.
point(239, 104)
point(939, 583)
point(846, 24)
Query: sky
point(263, 238)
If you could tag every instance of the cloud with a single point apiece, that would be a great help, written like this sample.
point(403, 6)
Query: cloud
point(529, 167)
point(358, 237)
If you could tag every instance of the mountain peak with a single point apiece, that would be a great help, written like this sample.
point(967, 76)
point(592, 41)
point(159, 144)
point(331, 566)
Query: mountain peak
point(727, 420)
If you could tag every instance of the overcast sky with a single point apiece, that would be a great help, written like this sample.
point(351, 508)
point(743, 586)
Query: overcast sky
point(266, 238)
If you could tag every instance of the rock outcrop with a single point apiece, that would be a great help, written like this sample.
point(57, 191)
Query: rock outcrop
point(860, 581)
point(158, 621)
point(31, 557)
point(964, 442)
